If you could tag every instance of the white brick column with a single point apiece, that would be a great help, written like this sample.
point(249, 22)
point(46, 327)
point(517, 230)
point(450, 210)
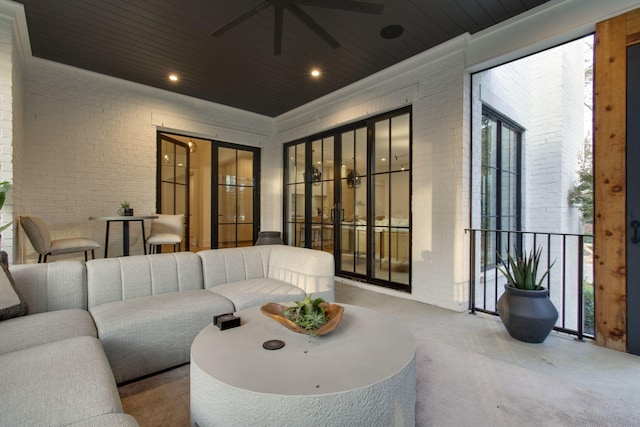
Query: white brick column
point(6, 127)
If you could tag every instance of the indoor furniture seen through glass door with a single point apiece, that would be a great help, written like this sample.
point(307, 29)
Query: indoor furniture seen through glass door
point(348, 192)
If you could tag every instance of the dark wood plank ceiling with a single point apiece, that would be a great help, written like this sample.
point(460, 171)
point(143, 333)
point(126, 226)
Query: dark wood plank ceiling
point(145, 40)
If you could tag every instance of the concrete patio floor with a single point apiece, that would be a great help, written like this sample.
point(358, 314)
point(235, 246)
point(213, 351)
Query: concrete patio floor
point(470, 372)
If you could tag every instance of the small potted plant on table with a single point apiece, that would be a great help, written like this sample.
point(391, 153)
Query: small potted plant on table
point(525, 308)
point(125, 209)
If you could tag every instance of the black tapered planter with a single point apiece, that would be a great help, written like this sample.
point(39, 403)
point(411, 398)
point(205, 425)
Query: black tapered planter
point(529, 316)
point(269, 238)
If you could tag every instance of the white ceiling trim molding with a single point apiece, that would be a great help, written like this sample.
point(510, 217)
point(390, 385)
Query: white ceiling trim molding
point(15, 11)
point(544, 27)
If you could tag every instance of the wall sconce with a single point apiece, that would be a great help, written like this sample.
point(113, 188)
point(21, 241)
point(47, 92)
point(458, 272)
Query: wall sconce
point(192, 146)
point(353, 179)
point(316, 176)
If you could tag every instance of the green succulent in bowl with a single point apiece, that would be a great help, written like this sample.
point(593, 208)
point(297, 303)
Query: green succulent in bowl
point(307, 314)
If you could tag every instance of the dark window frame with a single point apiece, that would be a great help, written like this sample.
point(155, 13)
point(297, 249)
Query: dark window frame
point(499, 244)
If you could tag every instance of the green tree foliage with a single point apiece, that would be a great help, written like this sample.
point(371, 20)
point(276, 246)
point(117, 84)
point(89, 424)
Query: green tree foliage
point(4, 188)
point(581, 195)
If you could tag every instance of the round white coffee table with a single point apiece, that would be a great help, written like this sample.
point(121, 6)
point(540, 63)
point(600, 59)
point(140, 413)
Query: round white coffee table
point(361, 374)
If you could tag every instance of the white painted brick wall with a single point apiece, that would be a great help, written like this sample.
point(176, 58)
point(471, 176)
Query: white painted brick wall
point(6, 127)
point(544, 94)
point(90, 143)
point(555, 137)
point(437, 86)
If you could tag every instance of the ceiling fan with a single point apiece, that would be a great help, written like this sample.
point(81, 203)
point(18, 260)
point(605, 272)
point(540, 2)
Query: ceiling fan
point(292, 5)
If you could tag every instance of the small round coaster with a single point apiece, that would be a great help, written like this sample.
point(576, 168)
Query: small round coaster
point(273, 345)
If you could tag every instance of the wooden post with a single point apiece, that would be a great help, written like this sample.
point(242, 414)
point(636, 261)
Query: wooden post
point(612, 38)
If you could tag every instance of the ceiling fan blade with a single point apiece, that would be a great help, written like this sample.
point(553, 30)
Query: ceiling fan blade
point(240, 19)
point(352, 6)
point(311, 23)
point(277, 30)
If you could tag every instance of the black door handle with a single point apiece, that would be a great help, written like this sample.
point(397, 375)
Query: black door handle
point(635, 224)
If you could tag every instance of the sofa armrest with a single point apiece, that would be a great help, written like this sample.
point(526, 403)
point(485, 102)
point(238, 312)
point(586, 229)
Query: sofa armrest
point(52, 286)
point(311, 270)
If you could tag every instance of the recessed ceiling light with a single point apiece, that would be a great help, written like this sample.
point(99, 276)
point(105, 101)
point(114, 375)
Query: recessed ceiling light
point(315, 73)
point(173, 77)
point(391, 31)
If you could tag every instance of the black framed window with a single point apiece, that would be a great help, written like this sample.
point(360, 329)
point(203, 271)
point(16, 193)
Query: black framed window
point(501, 200)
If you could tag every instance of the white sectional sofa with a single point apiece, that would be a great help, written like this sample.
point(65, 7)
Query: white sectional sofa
point(92, 326)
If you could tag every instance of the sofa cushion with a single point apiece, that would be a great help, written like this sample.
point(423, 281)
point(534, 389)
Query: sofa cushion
point(107, 420)
point(11, 302)
point(234, 264)
point(116, 279)
point(148, 334)
point(42, 328)
point(56, 384)
point(309, 269)
point(52, 286)
point(256, 292)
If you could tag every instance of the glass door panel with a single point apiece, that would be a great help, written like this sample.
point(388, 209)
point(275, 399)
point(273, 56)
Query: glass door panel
point(391, 198)
point(400, 155)
point(380, 184)
point(328, 229)
point(236, 197)
point(227, 215)
point(322, 199)
point(226, 235)
point(173, 160)
point(328, 201)
point(294, 194)
point(349, 193)
point(353, 201)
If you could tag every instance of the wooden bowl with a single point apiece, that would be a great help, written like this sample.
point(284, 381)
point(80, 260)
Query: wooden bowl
point(332, 311)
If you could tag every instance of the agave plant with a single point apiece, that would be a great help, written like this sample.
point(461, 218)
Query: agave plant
point(522, 272)
point(4, 188)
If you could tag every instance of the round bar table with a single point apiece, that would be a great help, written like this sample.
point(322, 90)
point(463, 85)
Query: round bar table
point(361, 374)
point(125, 220)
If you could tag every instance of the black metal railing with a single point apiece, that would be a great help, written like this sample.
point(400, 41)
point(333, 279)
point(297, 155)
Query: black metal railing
point(570, 280)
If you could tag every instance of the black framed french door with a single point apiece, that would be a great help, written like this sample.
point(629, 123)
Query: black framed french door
point(347, 192)
point(235, 205)
point(633, 199)
point(215, 184)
